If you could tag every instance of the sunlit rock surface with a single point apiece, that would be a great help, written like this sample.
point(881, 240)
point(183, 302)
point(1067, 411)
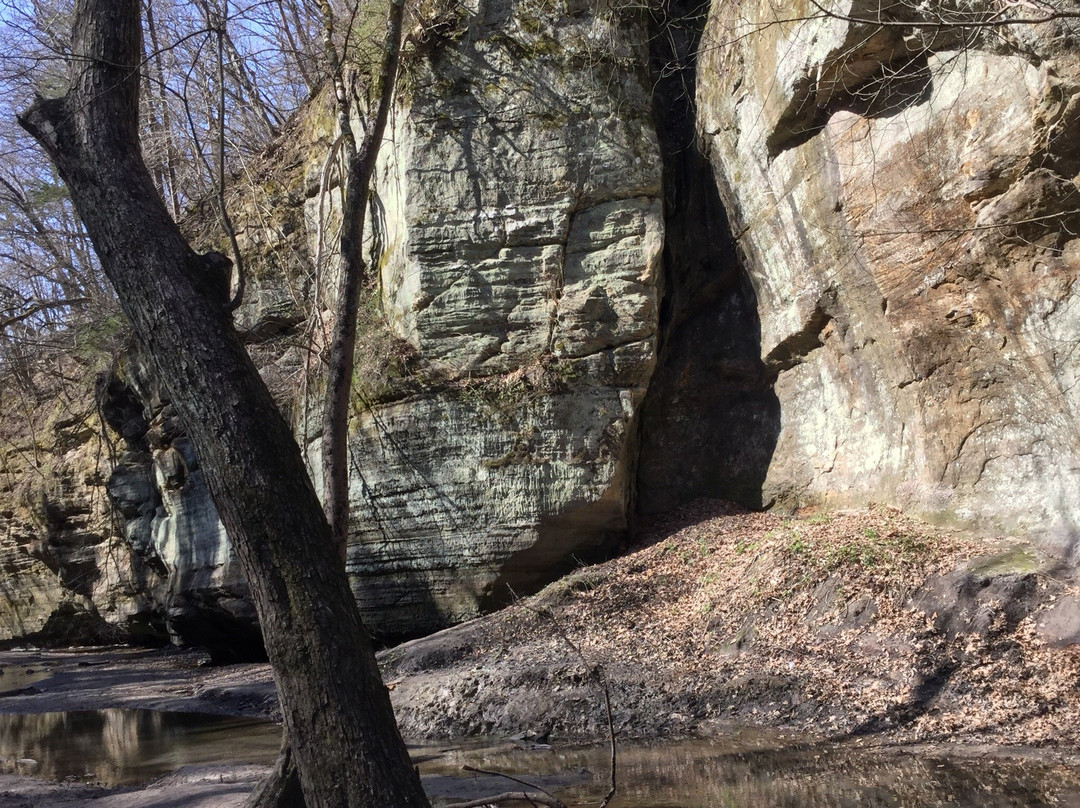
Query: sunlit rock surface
point(521, 229)
point(856, 285)
point(905, 200)
point(503, 355)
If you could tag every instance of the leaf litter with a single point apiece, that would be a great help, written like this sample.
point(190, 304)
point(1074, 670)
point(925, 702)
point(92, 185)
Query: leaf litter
point(845, 624)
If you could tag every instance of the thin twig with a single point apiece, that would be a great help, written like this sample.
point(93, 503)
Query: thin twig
point(510, 796)
point(510, 777)
point(598, 674)
point(233, 301)
point(944, 23)
point(611, 735)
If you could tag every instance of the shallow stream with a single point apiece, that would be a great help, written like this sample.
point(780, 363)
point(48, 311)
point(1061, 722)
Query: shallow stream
point(15, 678)
point(127, 747)
point(743, 770)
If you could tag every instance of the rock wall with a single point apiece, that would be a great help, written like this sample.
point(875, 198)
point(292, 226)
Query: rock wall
point(193, 585)
point(115, 538)
point(624, 260)
point(59, 554)
point(504, 351)
point(521, 272)
point(904, 196)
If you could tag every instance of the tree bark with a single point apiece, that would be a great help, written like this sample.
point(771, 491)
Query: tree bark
point(282, 788)
point(336, 710)
point(361, 167)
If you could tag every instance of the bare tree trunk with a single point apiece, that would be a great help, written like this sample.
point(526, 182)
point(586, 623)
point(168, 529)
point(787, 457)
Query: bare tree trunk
point(335, 448)
point(166, 118)
point(361, 166)
point(217, 17)
point(282, 788)
point(336, 710)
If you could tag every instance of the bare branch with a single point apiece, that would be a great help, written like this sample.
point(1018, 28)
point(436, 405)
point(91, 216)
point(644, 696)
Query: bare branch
point(38, 307)
point(939, 21)
point(510, 796)
point(510, 777)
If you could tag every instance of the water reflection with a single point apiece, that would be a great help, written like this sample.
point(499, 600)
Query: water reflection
point(125, 747)
point(833, 778)
point(744, 770)
point(702, 774)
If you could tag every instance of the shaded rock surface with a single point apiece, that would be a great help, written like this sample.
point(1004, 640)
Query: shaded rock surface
point(710, 420)
point(170, 525)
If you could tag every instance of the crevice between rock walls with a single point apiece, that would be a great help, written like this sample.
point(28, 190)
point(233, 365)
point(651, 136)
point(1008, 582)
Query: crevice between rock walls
point(710, 420)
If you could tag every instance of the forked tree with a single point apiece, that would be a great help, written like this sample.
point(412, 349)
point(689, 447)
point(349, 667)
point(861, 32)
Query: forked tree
point(336, 710)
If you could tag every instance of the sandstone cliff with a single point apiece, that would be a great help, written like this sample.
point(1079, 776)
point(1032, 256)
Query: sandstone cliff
point(506, 346)
point(904, 195)
point(524, 269)
point(627, 258)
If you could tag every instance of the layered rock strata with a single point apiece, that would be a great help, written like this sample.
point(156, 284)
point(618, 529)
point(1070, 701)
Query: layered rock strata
point(856, 284)
point(521, 234)
point(903, 190)
point(193, 585)
point(115, 538)
point(505, 348)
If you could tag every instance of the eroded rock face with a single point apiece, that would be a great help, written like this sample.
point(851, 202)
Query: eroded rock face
point(117, 539)
point(555, 340)
point(904, 196)
point(192, 584)
point(68, 577)
point(522, 228)
point(502, 361)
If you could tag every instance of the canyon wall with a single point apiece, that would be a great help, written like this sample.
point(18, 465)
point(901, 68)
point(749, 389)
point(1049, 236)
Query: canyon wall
point(814, 255)
point(521, 228)
point(506, 343)
point(902, 189)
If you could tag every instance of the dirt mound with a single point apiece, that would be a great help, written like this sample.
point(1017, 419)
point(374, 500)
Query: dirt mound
point(844, 624)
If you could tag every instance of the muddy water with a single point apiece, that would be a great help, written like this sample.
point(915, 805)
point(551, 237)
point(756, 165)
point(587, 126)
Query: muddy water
point(15, 678)
point(750, 770)
point(126, 747)
point(743, 770)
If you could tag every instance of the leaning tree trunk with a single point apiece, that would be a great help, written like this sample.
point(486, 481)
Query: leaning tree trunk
point(336, 710)
point(281, 789)
point(361, 168)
